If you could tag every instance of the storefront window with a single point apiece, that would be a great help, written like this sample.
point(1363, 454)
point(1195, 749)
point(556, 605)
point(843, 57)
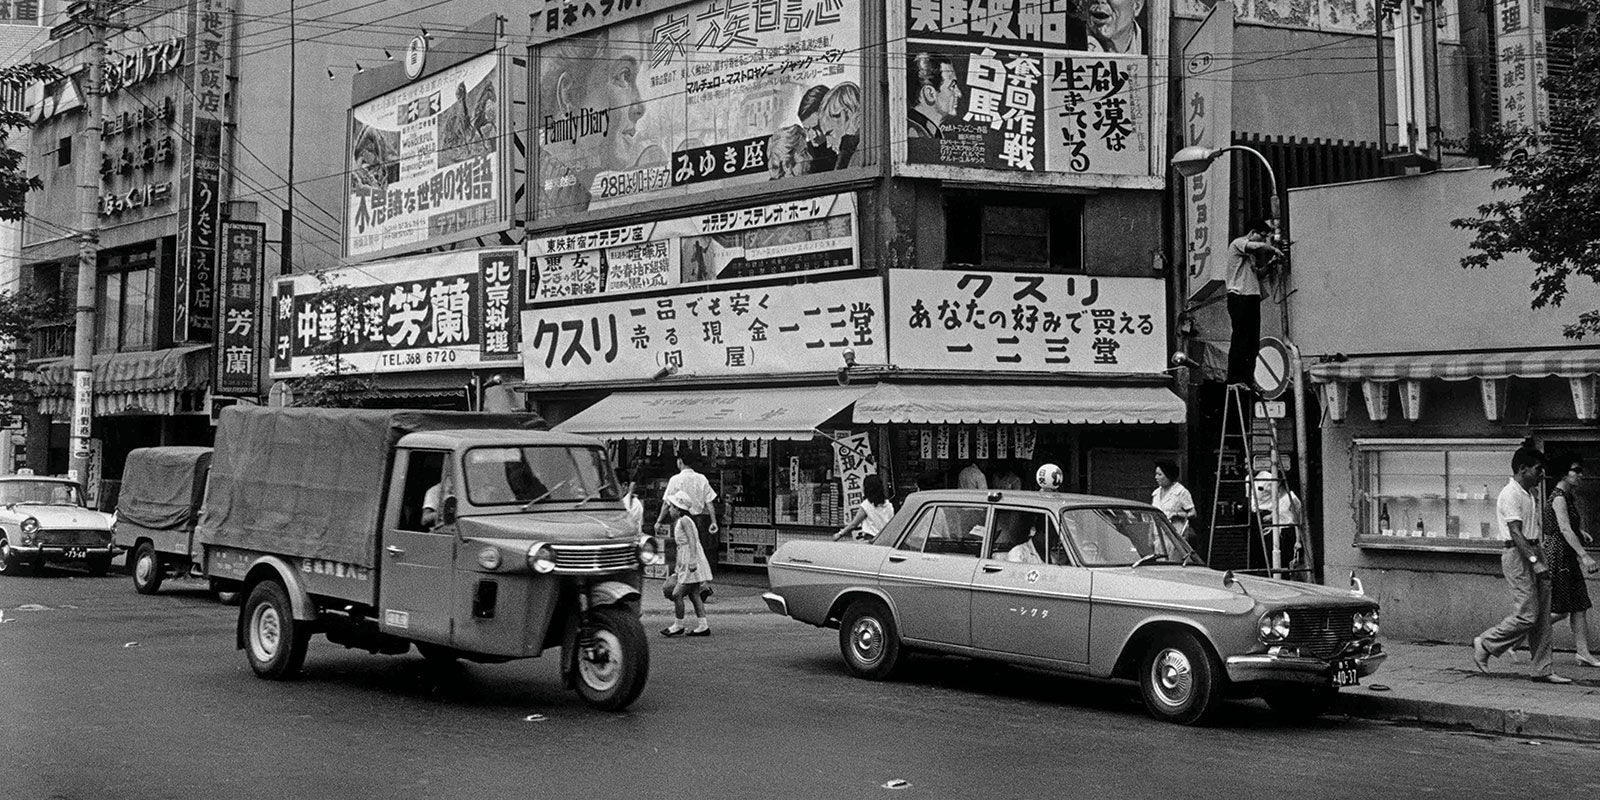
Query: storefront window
point(1431, 493)
point(805, 492)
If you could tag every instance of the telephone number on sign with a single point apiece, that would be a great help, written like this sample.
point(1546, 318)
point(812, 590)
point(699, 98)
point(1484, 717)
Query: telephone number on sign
point(416, 358)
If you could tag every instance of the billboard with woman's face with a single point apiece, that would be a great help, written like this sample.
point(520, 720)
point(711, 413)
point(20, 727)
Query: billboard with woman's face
point(700, 96)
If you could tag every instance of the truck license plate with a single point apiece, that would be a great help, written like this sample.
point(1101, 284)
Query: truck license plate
point(1345, 674)
point(76, 552)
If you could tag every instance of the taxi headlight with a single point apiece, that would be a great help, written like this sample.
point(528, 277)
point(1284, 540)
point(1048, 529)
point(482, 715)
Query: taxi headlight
point(1365, 623)
point(649, 554)
point(541, 558)
point(1274, 626)
point(30, 525)
point(489, 557)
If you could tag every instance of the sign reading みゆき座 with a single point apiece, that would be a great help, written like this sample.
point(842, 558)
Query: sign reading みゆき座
point(427, 162)
point(748, 330)
point(1026, 322)
point(1050, 92)
point(445, 311)
point(808, 235)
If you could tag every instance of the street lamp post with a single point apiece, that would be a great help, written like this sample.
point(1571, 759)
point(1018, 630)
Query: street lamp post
point(1195, 159)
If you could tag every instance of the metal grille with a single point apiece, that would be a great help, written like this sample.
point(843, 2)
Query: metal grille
point(1321, 632)
point(72, 538)
point(596, 558)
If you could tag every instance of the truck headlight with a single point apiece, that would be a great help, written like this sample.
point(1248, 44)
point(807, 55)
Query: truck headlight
point(1274, 626)
point(489, 557)
point(541, 558)
point(1365, 623)
point(648, 552)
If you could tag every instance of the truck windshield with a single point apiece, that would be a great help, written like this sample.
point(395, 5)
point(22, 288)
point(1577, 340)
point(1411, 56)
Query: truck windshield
point(521, 475)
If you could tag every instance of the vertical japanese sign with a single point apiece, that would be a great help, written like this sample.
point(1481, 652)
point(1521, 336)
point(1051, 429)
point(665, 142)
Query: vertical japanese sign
point(237, 350)
point(1046, 86)
point(738, 331)
point(19, 12)
point(1024, 322)
point(421, 313)
point(1521, 64)
point(708, 94)
point(1207, 111)
point(853, 462)
point(427, 162)
point(195, 283)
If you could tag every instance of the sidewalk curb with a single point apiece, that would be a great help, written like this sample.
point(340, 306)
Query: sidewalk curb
point(1510, 721)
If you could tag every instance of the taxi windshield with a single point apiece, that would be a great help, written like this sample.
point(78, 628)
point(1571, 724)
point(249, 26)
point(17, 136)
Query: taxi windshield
point(536, 475)
point(47, 493)
point(1121, 537)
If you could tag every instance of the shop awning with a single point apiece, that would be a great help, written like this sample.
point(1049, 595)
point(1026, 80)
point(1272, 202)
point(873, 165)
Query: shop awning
point(1462, 366)
point(774, 413)
point(970, 404)
point(150, 382)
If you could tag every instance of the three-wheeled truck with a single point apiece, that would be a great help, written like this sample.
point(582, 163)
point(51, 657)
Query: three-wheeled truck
point(472, 536)
point(157, 509)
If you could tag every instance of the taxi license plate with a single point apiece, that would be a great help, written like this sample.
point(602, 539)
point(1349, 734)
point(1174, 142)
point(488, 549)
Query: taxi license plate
point(77, 552)
point(1344, 674)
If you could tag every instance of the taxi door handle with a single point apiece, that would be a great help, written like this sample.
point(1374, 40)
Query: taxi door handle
point(896, 559)
point(993, 567)
point(394, 551)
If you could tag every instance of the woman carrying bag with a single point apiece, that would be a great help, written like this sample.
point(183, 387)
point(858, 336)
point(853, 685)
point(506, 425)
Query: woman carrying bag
point(693, 569)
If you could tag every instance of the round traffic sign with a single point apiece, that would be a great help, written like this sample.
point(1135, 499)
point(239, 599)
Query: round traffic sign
point(1272, 367)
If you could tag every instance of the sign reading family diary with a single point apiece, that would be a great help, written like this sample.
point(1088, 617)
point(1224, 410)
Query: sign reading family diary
point(1031, 86)
point(809, 235)
point(736, 331)
point(427, 162)
point(700, 96)
point(1026, 322)
point(444, 311)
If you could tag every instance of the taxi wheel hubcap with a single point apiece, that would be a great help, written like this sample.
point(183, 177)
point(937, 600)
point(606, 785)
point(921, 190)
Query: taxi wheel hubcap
point(867, 640)
point(1172, 677)
point(266, 633)
point(600, 663)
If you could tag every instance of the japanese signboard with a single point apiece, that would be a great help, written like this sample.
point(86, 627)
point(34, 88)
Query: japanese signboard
point(713, 332)
point(1207, 111)
point(1521, 64)
point(446, 311)
point(810, 235)
point(237, 349)
point(1049, 87)
point(1332, 16)
point(701, 96)
point(1026, 322)
point(427, 163)
point(200, 194)
point(853, 462)
point(19, 12)
point(553, 19)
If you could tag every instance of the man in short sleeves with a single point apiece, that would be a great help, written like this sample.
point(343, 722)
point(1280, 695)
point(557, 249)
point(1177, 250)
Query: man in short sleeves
point(1525, 572)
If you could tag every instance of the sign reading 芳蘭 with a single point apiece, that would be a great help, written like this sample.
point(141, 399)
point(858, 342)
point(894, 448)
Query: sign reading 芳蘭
point(712, 332)
point(237, 351)
point(810, 235)
point(427, 162)
point(700, 96)
point(1049, 87)
point(444, 311)
point(1026, 322)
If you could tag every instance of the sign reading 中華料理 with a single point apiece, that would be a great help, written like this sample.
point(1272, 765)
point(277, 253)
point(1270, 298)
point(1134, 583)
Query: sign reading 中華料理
point(426, 162)
point(712, 332)
point(237, 350)
point(1026, 322)
point(444, 311)
point(700, 96)
point(809, 235)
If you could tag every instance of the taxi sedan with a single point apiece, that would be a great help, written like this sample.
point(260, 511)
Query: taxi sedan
point(44, 519)
point(1077, 584)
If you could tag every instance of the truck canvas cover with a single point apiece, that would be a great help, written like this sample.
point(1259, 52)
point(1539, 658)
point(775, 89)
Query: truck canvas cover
point(162, 487)
point(310, 482)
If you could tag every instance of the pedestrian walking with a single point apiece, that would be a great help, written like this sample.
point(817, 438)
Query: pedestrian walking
point(1563, 550)
point(702, 505)
point(1527, 574)
point(693, 569)
point(873, 513)
point(1172, 497)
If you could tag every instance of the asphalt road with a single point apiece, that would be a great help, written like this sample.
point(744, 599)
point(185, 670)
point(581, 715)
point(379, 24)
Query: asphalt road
point(105, 693)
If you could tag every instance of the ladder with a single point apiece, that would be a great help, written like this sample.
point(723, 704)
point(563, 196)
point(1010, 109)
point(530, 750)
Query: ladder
point(1239, 538)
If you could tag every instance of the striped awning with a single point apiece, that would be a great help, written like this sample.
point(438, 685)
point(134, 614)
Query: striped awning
point(160, 382)
point(1019, 404)
point(1572, 363)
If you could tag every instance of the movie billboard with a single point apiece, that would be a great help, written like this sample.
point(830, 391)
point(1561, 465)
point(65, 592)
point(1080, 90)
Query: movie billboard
point(427, 163)
point(701, 96)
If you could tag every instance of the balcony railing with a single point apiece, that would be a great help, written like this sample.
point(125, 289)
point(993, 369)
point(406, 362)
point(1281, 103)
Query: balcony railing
point(51, 340)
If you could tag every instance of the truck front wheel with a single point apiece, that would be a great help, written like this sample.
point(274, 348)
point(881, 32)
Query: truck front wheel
point(613, 658)
point(274, 641)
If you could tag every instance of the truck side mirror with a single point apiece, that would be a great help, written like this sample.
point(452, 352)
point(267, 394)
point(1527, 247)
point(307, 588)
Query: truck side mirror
point(447, 512)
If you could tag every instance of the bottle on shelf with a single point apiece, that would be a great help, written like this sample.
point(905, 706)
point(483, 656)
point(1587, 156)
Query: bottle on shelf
point(1421, 531)
point(1383, 519)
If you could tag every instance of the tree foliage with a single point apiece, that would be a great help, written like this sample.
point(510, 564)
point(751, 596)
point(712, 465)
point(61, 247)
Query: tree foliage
point(334, 383)
point(1553, 216)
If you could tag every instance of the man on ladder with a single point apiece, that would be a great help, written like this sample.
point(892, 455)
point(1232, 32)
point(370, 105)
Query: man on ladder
point(1252, 258)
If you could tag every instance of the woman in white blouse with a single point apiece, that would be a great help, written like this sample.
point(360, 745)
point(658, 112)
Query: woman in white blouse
point(873, 513)
point(1172, 498)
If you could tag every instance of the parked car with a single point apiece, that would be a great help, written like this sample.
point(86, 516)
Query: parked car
point(44, 520)
point(1077, 584)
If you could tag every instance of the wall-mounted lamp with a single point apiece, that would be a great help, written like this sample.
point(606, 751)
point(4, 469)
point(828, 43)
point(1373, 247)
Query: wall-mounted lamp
point(1182, 361)
point(665, 372)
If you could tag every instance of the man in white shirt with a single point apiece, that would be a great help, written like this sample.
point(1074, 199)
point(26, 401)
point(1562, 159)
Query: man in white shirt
point(702, 508)
point(972, 477)
point(1526, 573)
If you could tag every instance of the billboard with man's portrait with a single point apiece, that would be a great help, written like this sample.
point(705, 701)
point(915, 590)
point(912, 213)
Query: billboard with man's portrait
point(700, 96)
point(1066, 90)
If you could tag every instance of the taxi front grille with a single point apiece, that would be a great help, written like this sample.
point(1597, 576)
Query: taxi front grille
point(72, 538)
point(595, 558)
point(1321, 632)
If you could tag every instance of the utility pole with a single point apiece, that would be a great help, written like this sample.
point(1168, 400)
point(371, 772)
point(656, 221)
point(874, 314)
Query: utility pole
point(88, 14)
